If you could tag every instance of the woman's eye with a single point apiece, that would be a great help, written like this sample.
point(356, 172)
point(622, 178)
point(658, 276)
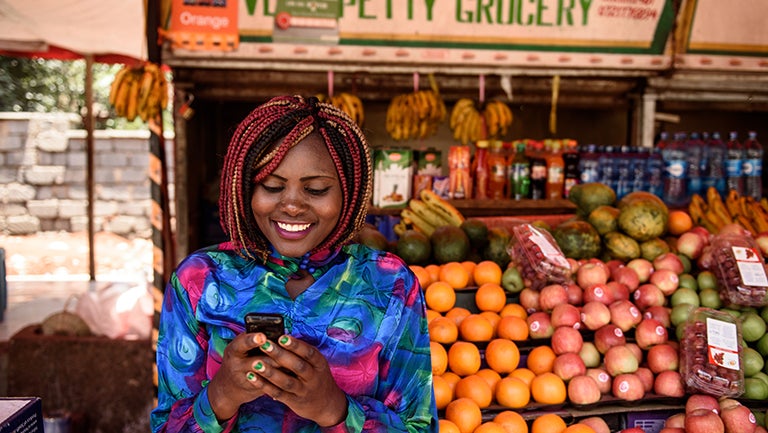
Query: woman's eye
point(272, 189)
point(314, 191)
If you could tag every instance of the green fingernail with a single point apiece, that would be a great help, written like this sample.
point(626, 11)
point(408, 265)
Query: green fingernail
point(259, 366)
point(267, 346)
point(251, 376)
point(284, 340)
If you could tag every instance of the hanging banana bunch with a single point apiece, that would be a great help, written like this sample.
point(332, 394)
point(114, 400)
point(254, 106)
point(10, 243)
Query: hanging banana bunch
point(348, 103)
point(498, 118)
point(415, 115)
point(467, 122)
point(139, 91)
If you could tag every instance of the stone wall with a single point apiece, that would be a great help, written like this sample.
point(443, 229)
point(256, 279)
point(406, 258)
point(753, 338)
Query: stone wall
point(43, 177)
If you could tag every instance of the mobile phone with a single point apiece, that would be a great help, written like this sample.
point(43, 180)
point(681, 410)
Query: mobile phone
point(270, 324)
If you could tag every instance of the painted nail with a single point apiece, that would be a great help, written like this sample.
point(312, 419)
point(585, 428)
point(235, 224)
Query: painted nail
point(284, 340)
point(251, 376)
point(259, 366)
point(267, 346)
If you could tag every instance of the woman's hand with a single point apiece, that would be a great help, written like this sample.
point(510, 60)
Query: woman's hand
point(297, 374)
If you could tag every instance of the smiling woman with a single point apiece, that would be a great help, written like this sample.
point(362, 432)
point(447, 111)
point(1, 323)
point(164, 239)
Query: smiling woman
point(295, 187)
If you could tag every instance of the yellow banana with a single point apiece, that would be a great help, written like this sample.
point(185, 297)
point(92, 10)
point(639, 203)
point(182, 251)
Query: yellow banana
point(757, 216)
point(459, 109)
point(400, 228)
point(115, 86)
point(746, 223)
point(714, 219)
point(428, 213)
point(764, 204)
point(492, 119)
point(732, 202)
point(418, 222)
point(131, 109)
point(441, 206)
point(696, 208)
point(121, 99)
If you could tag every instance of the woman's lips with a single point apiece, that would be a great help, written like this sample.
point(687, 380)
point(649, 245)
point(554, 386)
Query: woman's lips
point(292, 230)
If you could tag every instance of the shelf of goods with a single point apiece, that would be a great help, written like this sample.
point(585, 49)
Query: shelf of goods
point(499, 208)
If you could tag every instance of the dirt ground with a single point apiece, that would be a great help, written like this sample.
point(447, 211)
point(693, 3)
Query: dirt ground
point(60, 254)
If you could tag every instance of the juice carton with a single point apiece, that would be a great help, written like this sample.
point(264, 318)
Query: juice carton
point(392, 175)
point(459, 159)
point(428, 166)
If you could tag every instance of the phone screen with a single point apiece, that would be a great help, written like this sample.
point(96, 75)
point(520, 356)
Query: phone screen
point(271, 324)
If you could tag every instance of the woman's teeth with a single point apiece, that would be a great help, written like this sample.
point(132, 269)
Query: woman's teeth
point(293, 227)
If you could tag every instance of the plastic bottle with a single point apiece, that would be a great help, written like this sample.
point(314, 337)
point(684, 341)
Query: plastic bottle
point(497, 171)
point(623, 165)
point(640, 156)
point(480, 170)
point(753, 167)
point(571, 167)
point(538, 171)
point(694, 149)
point(608, 170)
point(520, 173)
point(654, 171)
point(733, 164)
point(675, 171)
point(555, 170)
point(589, 164)
point(714, 175)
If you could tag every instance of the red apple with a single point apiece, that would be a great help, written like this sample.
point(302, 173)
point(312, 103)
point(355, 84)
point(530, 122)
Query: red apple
point(603, 379)
point(589, 354)
point(591, 273)
point(597, 292)
point(702, 401)
point(734, 228)
point(665, 279)
point(575, 264)
point(618, 360)
point(660, 313)
point(625, 314)
point(636, 350)
point(669, 384)
point(539, 325)
point(648, 295)
point(608, 336)
point(583, 390)
point(628, 386)
point(529, 299)
point(701, 231)
point(662, 357)
point(703, 421)
point(646, 375)
point(632, 430)
point(552, 295)
point(672, 430)
point(594, 315)
point(650, 332)
point(566, 339)
point(738, 419)
point(612, 265)
point(617, 291)
point(676, 420)
point(643, 268)
point(598, 424)
point(566, 315)
point(762, 242)
point(668, 261)
point(568, 365)
point(691, 244)
point(627, 276)
point(575, 293)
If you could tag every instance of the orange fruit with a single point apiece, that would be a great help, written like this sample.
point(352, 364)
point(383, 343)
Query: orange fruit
point(487, 271)
point(464, 358)
point(541, 359)
point(443, 330)
point(457, 314)
point(492, 317)
point(579, 428)
point(452, 378)
point(476, 388)
point(490, 297)
point(514, 309)
point(548, 388)
point(502, 355)
point(512, 421)
point(443, 391)
point(422, 275)
point(490, 376)
point(445, 426)
point(512, 328)
point(439, 358)
point(455, 274)
point(523, 374)
point(476, 328)
point(548, 423)
point(490, 427)
point(434, 272)
point(680, 222)
point(440, 296)
point(432, 315)
point(469, 265)
point(513, 393)
point(465, 413)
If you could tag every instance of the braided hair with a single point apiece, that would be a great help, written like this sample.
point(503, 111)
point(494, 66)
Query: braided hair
point(259, 145)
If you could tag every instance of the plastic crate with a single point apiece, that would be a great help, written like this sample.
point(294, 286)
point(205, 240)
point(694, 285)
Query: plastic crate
point(650, 422)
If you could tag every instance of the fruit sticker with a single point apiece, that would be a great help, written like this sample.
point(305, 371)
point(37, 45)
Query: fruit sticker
point(722, 340)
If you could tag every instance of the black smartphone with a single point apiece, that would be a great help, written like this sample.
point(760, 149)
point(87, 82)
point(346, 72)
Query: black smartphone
point(271, 324)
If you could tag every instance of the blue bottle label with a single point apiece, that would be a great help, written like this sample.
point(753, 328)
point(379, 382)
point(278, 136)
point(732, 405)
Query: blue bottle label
point(733, 167)
point(676, 168)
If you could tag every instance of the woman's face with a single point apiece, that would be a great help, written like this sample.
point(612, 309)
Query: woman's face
point(298, 205)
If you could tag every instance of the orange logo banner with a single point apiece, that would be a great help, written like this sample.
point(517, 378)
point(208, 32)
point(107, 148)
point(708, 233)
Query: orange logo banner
point(204, 25)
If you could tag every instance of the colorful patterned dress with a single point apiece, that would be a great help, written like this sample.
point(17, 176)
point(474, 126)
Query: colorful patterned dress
point(365, 312)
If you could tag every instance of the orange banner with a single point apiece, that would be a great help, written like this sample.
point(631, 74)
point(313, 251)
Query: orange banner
point(204, 25)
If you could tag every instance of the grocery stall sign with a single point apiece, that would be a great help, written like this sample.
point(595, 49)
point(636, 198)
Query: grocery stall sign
point(718, 27)
point(204, 25)
point(586, 26)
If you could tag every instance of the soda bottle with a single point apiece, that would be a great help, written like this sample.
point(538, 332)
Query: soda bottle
point(520, 173)
point(675, 171)
point(538, 171)
point(480, 170)
point(497, 171)
point(555, 170)
point(694, 149)
point(571, 168)
point(623, 165)
point(589, 164)
point(733, 163)
point(607, 162)
point(753, 167)
point(714, 175)
point(655, 173)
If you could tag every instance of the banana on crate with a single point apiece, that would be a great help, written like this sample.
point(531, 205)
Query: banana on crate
point(139, 91)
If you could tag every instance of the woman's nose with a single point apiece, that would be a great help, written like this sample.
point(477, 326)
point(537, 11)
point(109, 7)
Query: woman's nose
point(292, 202)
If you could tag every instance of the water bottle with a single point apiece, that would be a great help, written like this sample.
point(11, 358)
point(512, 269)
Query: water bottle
point(623, 164)
point(753, 167)
point(640, 156)
point(733, 163)
point(675, 172)
point(654, 170)
point(714, 175)
point(589, 164)
point(608, 172)
point(694, 148)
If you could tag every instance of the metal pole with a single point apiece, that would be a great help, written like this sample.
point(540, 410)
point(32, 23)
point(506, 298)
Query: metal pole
point(88, 121)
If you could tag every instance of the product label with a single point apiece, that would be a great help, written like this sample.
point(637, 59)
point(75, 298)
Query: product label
point(723, 344)
point(733, 167)
point(752, 167)
point(676, 168)
point(750, 264)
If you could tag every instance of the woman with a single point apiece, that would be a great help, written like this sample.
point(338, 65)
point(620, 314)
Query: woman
point(295, 187)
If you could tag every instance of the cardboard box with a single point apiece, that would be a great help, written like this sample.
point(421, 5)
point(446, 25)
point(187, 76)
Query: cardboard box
point(21, 415)
point(392, 177)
